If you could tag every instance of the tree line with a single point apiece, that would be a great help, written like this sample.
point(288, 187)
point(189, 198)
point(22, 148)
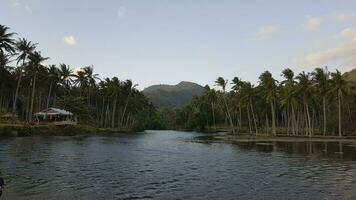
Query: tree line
point(315, 103)
point(27, 86)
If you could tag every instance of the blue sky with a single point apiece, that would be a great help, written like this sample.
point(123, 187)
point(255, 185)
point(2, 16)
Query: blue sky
point(167, 41)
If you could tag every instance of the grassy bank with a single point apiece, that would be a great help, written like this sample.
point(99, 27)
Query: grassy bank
point(230, 138)
point(13, 130)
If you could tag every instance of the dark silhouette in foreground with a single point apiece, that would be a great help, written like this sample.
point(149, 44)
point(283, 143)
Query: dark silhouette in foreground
point(2, 183)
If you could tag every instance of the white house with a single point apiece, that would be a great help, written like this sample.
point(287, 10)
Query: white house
point(55, 116)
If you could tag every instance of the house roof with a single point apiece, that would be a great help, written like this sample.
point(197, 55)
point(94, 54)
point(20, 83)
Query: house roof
point(54, 111)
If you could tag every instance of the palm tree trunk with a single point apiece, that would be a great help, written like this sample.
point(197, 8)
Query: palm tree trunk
point(267, 123)
point(229, 116)
point(213, 112)
point(308, 120)
point(49, 95)
point(249, 119)
point(253, 117)
point(124, 111)
point(102, 113)
point(113, 113)
point(294, 124)
point(240, 114)
point(339, 100)
point(17, 93)
point(324, 115)
point(32, 96)
point(273, 119)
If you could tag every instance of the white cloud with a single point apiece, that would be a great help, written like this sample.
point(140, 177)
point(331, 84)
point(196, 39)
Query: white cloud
point(69, 40)
point(313, 23)
point(16, 3)
point(28, 9)
point(341, 54)
point(348, 32)
point(121, 11)
point(345, 16)
point(21, 4)
point(267, 32)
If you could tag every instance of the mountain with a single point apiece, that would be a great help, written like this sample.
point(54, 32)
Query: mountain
point(350, 75)
point(173, 95)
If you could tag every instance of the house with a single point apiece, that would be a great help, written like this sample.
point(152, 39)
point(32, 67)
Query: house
point(55, 116)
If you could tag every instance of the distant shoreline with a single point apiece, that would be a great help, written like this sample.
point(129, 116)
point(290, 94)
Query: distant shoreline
point(228, 138)
point(21, 130)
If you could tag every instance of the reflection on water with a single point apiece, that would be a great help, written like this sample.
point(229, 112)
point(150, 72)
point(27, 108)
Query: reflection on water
point(174, 165)
point(332, 150)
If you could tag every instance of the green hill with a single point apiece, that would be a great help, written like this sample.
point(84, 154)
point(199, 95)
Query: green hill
point(350, 75)
point(173, 95)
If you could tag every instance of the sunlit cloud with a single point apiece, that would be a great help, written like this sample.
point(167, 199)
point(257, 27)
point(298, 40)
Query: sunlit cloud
point(21, 4)
point(342, 54)
point(345, 16)
point(267, 32)
point(348, 32)
point(15, 3)
point(121, 11)
point(69, 40)
point(313, 23)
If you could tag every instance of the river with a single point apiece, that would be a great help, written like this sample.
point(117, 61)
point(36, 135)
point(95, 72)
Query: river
point(174, 165)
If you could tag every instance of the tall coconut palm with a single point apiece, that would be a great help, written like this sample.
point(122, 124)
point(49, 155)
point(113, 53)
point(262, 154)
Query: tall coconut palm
point(222, 83)
point(211, 98)
point(289, 99)
point(6, 41)
point(321, 80)
point(269, 92)
point(35, 63)
point(24, 49)
point(306, 91)
point(340, 88)
point(114, 88)
point(91, 78)
point(248, 93)
point(128, 87)
point(53, 78)
point(66, 76)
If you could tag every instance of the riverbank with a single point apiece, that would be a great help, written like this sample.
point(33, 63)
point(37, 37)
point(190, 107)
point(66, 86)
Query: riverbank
point(230, 138)
point(14, 130)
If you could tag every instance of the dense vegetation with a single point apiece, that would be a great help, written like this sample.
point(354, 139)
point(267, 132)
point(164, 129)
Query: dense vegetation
point(316, 103)
point(173, 96)
point(28, 86)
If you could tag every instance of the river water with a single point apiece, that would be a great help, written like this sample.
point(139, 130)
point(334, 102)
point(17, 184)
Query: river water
point(174, 165)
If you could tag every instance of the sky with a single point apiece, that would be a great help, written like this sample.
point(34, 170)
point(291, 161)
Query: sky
point(168, 41)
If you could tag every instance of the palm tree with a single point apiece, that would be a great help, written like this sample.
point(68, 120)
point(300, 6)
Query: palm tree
point(212, 98)
point(115, 89)
point(289, 99)
point(321, 80)
point(35, 64)
point(269, 92)
point(340, 88)
point(6, 41)
point(24, 48)
point(5, 76)
point(54, 78)
point(248, 93)
point(305, 90)
point(128, 87)
point(222, 83)
point(66, 76)
point(91, 78)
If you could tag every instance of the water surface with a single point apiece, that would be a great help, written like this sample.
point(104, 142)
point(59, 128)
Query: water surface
point(174, 165)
